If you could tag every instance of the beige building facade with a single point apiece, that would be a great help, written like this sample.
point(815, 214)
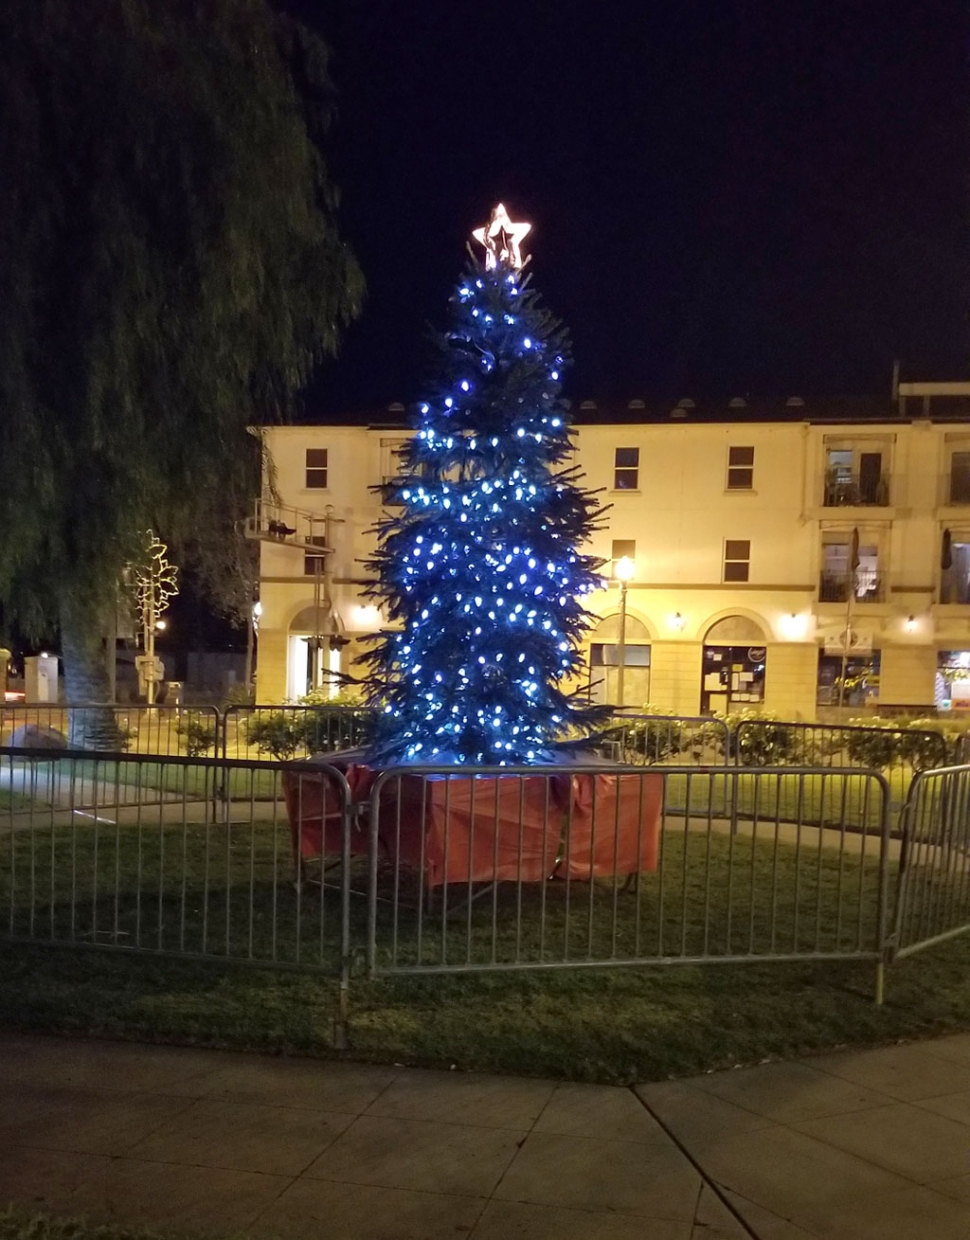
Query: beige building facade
point(773, 547)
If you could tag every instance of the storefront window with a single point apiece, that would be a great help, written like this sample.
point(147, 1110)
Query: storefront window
point(952, 690)
point(861, 685)
point(604, 659)
point(733, 678)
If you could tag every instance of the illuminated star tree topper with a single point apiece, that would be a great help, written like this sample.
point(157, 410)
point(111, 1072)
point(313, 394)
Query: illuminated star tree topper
point(502, 240)
point(480, 564)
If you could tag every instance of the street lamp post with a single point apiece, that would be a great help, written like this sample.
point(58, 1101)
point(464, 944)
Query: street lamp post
point(625, 568)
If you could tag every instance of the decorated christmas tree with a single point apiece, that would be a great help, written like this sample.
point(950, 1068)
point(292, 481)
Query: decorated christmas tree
point(479, 559)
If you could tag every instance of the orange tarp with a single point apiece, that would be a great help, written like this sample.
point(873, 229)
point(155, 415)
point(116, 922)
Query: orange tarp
point(613, 825)
point(481, 829)
point(461, 829)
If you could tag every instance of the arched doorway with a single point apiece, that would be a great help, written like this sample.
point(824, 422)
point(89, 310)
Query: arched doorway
point(604, 662)
point(310, 654)
point(735, 658)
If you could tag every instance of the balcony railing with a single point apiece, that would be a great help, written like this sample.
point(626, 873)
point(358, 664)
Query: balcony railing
point(867, 587)
point(291, 527)
point(856, 491)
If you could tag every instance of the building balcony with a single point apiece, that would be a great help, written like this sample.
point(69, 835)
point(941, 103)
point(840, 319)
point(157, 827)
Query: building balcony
point(862, 490)
point(866, 587)
point(287, 526)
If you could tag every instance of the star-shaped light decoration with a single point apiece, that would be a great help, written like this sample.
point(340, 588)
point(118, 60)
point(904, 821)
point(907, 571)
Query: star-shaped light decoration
point(501, 239)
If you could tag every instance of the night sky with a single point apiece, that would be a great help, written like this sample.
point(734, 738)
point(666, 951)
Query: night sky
point(733, 197)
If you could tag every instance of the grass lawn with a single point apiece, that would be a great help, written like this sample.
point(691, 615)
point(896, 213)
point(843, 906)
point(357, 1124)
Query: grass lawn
point(611, 1026)
point(198, 888)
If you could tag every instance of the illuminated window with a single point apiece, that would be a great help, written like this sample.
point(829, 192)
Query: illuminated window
point(737, 559)
point(622, 547)
point(626, 469)
point(316, 469)
point(740, 469)
point(313, 564)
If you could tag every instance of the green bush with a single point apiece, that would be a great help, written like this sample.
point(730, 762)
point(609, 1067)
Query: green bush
point(278, 733)
point(198, 733)
point(883, 743)
point(651, 741)
point(765, 740)
point(324, 731)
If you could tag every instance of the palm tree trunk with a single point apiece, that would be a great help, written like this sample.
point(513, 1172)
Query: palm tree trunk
point(92, 723)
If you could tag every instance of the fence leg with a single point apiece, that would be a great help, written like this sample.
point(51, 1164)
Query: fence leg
point(880, 987)
point(340, 1033)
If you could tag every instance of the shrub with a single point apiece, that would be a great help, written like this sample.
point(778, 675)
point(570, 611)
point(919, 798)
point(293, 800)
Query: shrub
point(881, 744)
point(764, 740)
point(348, 695)
point(278, 733)
point(875, 745)
point(323, 731)
point(198, 734)
point(651, 740)
point(238, 695)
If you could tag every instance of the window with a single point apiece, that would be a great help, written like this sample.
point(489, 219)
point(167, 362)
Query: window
point(854, 476)
point(955, 567)
point(626, 471)
point(960, 478)
point(607, 654)
point(841, 576)
point(392, 451)
point(313, 564)
point(392, 465)
point(737, 559)
point(740, 469)
point(622, 547)
point(316, 469)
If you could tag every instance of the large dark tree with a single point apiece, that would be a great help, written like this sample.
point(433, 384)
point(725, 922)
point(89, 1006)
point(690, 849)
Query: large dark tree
point(170, 274)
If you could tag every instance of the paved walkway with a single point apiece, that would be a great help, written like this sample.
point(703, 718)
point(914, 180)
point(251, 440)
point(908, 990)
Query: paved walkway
point(871, 1144)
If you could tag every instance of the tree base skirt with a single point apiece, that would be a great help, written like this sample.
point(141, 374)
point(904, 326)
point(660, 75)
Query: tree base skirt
point(486, 828)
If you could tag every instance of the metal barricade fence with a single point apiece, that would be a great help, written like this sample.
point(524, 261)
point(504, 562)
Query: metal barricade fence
point(485, 869)
point(122, 853)
point(578, 866)
point(162, 731)
point(898, 752)
point(961, 749)
point(285, 732)
point(674, 740)
point(933, 886)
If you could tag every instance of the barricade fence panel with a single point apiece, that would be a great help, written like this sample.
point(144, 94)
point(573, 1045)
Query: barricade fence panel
point(933, 886)
point(125, 852)
point(577, 865)
point(898, 752)
point(165, 731)
point(431, 870)
point(961, 749)
point(674, 740)
point(286, 732)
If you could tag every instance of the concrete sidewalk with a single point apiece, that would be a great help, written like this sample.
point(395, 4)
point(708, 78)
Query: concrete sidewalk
point(872, 1144)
